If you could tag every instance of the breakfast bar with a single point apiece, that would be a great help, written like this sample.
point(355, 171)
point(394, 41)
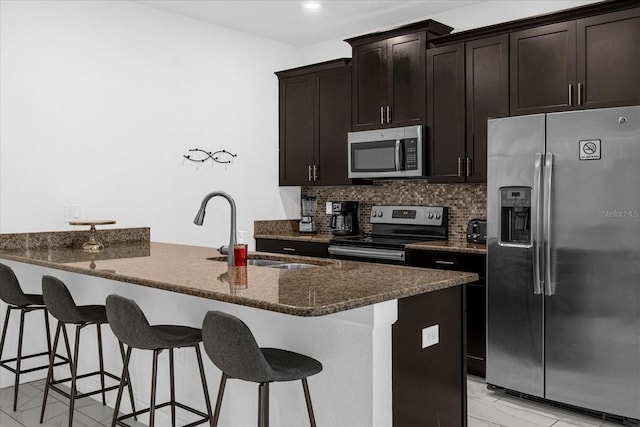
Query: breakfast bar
point(356, 318)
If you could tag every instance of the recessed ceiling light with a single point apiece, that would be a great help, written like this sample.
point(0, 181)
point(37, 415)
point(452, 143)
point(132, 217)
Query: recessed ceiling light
point(311, 6)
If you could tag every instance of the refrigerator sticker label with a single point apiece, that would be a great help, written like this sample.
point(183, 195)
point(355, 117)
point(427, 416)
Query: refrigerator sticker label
point(590, 149)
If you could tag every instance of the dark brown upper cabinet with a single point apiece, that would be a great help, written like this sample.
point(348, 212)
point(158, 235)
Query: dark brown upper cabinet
point(314, 110)
point(585, 63)
point(467, 83)
point(388, 76)
point(609, 59)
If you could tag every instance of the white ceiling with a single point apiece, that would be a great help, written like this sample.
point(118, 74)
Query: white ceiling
point(287, 22)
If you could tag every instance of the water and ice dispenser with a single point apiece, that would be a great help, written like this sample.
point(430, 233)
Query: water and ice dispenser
point(515, 215)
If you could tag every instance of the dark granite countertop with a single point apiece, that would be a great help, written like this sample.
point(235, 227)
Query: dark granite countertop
point(331, 287)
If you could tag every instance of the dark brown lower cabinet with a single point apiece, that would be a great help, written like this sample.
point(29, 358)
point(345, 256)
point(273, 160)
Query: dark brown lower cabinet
point(475, 298)
point(429, 384)
point(293, 247)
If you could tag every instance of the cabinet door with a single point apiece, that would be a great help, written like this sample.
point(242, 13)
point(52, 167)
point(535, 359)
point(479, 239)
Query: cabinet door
point(487, 96)
point(446, 113)
point(543, 69)
point(369, 85)
point(406, 82)
point(609, 59)
point(331, 125)
point(296, 129)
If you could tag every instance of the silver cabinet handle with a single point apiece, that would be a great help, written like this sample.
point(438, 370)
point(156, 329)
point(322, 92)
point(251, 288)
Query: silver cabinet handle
point(441, 262)
point(388, 114)
point(309, 167)
point(315, 173)
point(289, 249)
point(570, 95)
point(550, 288)
point(579, 93)
point(381, 115)
point(469, 166)
point(536, 229)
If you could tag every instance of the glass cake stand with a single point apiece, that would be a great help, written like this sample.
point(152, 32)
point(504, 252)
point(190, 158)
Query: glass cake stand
point(92, 245)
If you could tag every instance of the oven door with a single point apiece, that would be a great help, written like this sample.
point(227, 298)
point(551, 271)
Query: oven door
point(363, 254)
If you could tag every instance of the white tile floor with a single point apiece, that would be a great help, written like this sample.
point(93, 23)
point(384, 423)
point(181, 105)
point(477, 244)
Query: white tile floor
point(486, 409)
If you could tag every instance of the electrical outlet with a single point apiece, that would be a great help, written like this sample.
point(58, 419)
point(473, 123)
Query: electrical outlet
point(327, 208)
point(430, 336)
point(72, 212)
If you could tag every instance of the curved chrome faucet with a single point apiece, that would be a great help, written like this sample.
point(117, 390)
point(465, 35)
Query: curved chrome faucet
point(200, 219)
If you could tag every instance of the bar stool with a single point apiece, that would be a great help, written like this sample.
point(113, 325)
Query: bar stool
point(16, 299)
point(61, 305)
point(233, 349)
point(130, 325)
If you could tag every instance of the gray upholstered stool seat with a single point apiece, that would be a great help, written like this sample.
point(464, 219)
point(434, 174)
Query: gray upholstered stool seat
point(61, 305)
point(11, 293)
point(130, 325)
point(233, 349)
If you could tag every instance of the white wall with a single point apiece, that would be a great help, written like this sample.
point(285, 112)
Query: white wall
point(101, 99)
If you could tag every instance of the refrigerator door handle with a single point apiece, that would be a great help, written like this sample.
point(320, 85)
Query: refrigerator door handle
point(536, 226)
point(549, 285)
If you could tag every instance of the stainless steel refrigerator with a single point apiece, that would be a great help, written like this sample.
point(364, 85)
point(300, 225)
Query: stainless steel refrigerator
point(563, 258)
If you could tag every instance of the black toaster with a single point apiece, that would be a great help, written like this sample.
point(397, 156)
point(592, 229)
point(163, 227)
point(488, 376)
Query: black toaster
point(477, 230)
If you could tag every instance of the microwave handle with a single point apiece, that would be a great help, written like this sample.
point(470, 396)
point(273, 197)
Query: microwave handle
point(398, 147)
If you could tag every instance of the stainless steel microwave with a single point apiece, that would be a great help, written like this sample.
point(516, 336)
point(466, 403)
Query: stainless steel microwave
point(387, 153)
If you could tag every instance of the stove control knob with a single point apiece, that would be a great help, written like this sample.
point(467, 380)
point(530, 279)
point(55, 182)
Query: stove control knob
point(430, 216)
point(380, 214)
point(374, 213)
point(437, 216)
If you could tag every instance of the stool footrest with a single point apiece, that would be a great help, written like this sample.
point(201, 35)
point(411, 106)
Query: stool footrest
point(205, 417)
point(53, 384)
point(3, 363)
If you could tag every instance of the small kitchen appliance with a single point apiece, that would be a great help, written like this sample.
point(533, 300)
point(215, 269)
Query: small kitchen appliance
point(477, 231)
point(392, 227)
point(308, 220)
point(387, 153)
point(563, 259)
point(344, 218)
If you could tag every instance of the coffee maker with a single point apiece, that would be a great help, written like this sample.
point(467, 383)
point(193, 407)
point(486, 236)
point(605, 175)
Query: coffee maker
point(344, 218)
point(308, 221)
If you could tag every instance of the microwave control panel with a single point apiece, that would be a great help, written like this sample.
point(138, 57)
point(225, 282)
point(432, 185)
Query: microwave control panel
point(410, 153)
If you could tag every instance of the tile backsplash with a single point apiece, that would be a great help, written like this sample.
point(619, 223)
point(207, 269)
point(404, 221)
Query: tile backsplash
point(465, 201)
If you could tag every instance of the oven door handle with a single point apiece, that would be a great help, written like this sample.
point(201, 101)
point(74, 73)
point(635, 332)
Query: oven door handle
point(367, 253)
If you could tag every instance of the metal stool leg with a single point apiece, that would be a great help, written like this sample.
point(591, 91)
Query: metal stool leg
point(18, 361)
point(263, 405)
point(101, 362)
point(205, 389)
point(74, 374)
point(47, 330)
point(125, 374)
point(172, 388)
point(154, 381)
point(128, 379)
point(307, 398)
point(216, 414)
point(52, 357)
point(4, 336)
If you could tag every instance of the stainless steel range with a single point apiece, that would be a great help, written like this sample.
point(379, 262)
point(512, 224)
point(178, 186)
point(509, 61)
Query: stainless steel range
point(392, 227)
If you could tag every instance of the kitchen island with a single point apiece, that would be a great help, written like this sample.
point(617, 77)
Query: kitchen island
point(339, 312)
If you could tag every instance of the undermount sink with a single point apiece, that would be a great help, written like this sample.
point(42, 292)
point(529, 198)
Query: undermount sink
point(260, 262)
